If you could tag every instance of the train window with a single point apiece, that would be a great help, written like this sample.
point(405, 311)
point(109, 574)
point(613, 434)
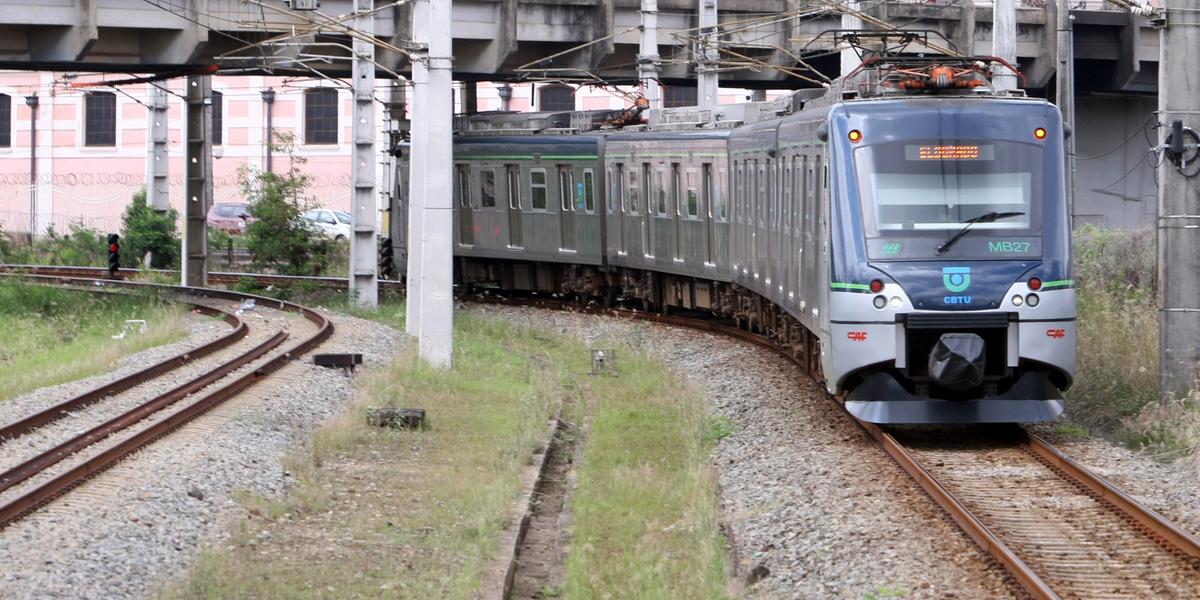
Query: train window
point(676, 189)
point(537, 189)
point(720, 206)
point(464, 186)
point(762, 194)
point(634, 202)
point(613, 191)
point(589, 191)
point(618, 184)
point(566, 185)
point(487, 188)
point(660, 192)
point(647, 185)
point(514, 187)
point(784, 213)
point(693, 199)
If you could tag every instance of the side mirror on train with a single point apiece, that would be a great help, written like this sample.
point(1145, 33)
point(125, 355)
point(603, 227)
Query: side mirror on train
point(823, 132)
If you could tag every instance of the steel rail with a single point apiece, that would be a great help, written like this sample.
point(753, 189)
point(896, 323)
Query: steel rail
point(53, 456)
point(94, 465)
point(62, 409)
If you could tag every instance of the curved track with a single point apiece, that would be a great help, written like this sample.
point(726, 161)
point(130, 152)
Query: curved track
point(1058, 529)
point(179, 398)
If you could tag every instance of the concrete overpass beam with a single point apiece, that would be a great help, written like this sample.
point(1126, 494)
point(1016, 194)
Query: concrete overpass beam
point(67, 43)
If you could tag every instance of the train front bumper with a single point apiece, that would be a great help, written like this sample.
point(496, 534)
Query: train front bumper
point(882, 400)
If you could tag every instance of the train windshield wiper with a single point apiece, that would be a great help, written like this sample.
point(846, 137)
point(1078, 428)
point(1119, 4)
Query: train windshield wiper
point(984, 218)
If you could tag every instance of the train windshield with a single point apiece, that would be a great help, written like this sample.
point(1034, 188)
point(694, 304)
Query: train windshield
point(916, 194)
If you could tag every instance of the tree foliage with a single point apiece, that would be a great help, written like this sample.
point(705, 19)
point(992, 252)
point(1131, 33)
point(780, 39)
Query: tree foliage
point(278, 237)
point(146, 230)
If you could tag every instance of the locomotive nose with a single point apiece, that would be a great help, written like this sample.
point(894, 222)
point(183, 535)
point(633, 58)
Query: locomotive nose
point(957, 361)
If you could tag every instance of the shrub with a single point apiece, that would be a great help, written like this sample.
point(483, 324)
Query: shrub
point(146, 230)
point(278, 237)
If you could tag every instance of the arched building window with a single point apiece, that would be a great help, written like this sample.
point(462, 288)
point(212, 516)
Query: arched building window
point(556, 98)
point(100, 119)
point(678, 95)
point(5, 121)
point(218, 118)
point(320, 116)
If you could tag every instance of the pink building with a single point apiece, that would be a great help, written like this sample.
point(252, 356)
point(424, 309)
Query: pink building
point(92, 140)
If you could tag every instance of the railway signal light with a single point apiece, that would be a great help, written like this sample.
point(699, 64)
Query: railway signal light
point(114, 253)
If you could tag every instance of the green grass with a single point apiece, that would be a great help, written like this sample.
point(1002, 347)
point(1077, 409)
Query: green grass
point(380, 513)
point(1116, 385)
point(50, 335)
point(645, 509)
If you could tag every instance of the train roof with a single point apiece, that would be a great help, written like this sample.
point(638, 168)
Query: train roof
point(528, 140)
point(644, 136)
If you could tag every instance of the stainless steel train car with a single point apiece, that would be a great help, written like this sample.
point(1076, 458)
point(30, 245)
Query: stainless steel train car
point(913, 251)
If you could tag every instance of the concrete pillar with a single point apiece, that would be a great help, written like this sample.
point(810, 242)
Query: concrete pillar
point(707, 80)
point(436, 339)
point(849, 56)
point(505, 92)
point(364, 253)
point(419, 140)
point(198, 191)
point(398, 190)
point(470, 99)
point(648, 54)
point(158, 172)
point(1004, 44)
point(1178, 202)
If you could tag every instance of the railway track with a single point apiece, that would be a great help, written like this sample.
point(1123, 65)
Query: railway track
point(151, 419)
point(1059, 530)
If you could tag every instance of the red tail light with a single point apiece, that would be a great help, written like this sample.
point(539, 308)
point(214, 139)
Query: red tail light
point(876, 286)
point(1035, 284)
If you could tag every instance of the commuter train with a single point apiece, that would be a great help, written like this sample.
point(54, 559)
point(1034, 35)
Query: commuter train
point(912, 251)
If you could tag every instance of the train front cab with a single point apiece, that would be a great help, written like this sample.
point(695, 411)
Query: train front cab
point(926, 328)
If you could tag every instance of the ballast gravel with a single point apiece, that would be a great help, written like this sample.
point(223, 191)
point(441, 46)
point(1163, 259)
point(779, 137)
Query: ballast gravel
point(137, 527)
point(811, 506)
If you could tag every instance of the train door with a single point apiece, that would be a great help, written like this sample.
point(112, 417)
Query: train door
point(617, 205)
point(566, 191)
point(515, 239)
point(676, 195)
point(648, 191)
point(706, 209)
point(466, 213)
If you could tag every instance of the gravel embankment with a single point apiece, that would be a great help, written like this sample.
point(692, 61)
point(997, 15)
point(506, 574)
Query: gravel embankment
point(1170, 488)
point(139, 525)
point(815, 509)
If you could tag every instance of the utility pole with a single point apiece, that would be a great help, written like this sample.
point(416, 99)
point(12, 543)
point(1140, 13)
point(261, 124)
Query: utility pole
point(436, 339)
point(1178, 202)
point(32, 102)
point(1004, 45)
point(416, 166)
point(1065, 92)
point(198, 190)
point(707, 81)
point(648, 54)
point(268, 98)
point(158, 171)
point(364, 253)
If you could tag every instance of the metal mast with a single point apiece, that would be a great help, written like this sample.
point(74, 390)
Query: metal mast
point(1004, 45)
point(648, 54)
point(364, 265)
point(708, 86)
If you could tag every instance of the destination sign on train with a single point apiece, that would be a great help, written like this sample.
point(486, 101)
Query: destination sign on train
point(948, 152)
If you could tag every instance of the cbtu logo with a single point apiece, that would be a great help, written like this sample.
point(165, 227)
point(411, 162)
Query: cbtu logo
point(956, 279)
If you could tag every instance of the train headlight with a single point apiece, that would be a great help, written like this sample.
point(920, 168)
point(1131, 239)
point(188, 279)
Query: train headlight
point(1032, 300)
point(879, 302)
point(896, 302)
point(1018, 300)
point(1040, 133)
point(855, 136)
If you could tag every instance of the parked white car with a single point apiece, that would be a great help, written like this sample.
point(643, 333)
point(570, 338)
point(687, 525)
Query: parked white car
point(333, 223)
